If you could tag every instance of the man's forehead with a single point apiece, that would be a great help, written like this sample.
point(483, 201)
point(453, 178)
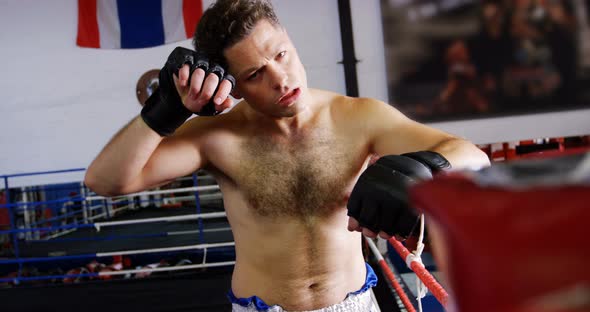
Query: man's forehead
point(253, 50)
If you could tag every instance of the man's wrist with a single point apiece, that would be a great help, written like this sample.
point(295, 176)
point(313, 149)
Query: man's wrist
point(164, 117)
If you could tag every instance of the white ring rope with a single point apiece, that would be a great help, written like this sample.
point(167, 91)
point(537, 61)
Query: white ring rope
point(414, 256)
point(153, 250)
point(164, 269)
point(211, 215)
point(374, 249)
point(160, 192)
point(223, 229)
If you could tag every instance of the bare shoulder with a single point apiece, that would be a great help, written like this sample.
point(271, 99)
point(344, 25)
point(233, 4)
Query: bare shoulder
point(361, 108)
point(215, 138)
point(204, 126)
point(369, 107)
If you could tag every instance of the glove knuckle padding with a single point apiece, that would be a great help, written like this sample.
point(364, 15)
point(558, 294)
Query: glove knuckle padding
point(202, 62)
point(217, 70)
point(178, 58)
point(209, 108)
point(164, 111)
point(231, 79)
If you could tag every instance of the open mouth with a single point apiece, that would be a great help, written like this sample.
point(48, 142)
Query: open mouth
point(290, 97)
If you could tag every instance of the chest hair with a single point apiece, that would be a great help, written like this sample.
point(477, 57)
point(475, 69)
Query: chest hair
point(305, 178)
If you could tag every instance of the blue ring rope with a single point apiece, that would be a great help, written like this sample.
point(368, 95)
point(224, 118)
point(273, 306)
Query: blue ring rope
point(61, 227)
point(103, 238)
point(41, 173)
point(48, 259)
point(46, 277)
point(86, 256)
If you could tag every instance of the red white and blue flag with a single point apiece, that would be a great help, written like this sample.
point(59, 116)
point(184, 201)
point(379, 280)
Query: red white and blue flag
point(130, 24)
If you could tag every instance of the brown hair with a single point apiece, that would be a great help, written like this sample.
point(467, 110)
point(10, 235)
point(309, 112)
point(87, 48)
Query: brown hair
point(226, 22)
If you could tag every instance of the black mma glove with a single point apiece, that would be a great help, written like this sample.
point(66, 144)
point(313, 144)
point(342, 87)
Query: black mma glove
point(379, 199)
point(164, 111)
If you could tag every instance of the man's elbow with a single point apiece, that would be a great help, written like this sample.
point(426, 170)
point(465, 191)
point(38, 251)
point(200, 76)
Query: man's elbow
point(485, 160)
point(477, 159)
point(464, 154)
point(100, 186)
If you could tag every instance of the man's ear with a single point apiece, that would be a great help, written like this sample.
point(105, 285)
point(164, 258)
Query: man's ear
point(236, 94)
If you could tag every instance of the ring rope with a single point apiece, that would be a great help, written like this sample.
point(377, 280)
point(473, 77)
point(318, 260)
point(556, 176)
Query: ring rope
point(390, 276)
point(429, 281)
point(211, 215)
point(116, 253)
point(115, 237)
point(99, 225)
point(156, 250)
point(165, 269)
point(53, 228)
point(161, 192)
point(421, 289)
point(122, 272)
point(27, 174)
point(16, 280)
point(114, 198)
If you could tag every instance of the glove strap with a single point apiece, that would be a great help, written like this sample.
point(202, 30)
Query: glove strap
point(164, 117)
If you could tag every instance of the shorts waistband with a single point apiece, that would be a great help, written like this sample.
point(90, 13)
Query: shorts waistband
point(370, 281)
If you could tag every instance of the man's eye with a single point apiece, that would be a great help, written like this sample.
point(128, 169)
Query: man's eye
point(282, 53)
point(252, 76)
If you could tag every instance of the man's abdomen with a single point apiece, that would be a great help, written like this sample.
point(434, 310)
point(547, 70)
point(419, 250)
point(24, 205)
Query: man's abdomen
point(298, 266)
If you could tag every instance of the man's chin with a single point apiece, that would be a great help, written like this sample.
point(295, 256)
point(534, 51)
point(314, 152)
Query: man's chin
point(286, 112)
point(291, 111)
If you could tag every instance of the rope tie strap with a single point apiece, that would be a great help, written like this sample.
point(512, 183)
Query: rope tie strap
point(429, 281)
point(416, 256)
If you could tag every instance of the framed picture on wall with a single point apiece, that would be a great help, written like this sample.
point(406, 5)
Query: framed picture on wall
point(463, 59)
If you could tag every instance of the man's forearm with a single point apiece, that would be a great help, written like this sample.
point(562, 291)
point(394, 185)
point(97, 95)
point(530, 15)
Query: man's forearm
point(120, 163)
point(462, 154)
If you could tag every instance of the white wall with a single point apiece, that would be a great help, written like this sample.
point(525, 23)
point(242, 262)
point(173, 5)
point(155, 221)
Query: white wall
point(62, 103)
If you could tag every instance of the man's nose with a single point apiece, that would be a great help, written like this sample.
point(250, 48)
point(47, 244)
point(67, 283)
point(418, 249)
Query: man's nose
point(278, 78)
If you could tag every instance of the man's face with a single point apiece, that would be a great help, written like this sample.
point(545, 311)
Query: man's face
point(269, 74)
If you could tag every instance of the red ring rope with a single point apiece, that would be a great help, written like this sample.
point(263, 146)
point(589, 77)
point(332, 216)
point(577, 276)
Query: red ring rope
point(396, 286)
point(435, 288)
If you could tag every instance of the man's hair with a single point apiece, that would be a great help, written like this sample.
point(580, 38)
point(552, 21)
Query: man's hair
point(226, 22)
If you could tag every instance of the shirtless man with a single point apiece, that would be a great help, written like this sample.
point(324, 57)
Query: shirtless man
point(286, 158)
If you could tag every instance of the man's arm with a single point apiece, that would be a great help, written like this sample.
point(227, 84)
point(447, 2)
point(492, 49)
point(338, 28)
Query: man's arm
point(138, 157)
point(391, 132)
point(378, 204)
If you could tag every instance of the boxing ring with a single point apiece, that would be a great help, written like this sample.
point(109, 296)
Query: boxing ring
point(63, 238)
point(172, 248)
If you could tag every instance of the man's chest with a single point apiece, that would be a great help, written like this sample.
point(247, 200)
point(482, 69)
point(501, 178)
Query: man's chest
point(299, 178)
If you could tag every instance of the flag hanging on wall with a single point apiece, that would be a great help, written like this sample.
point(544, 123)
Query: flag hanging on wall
point(131, 24)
